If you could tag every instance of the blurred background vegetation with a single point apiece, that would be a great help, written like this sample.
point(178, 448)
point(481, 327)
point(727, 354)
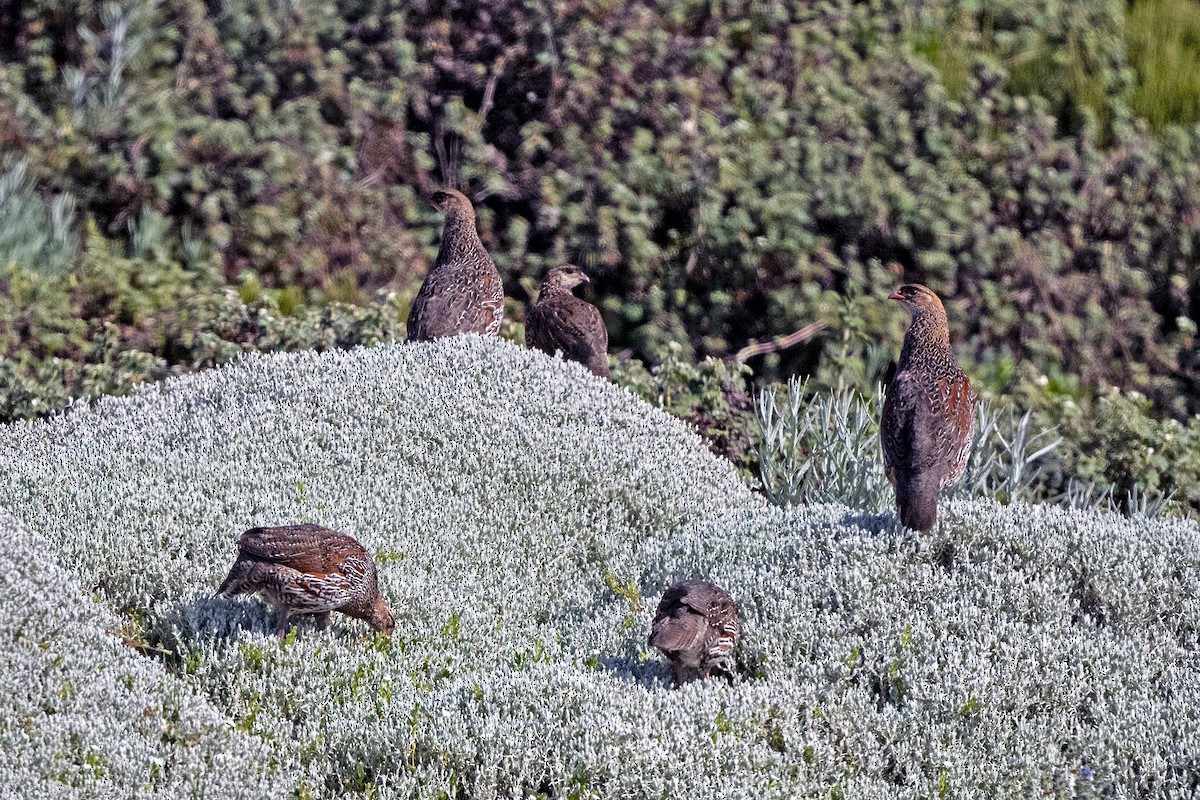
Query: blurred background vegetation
point(185, 180)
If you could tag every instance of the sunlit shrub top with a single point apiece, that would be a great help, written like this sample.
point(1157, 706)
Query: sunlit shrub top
point(525, 517)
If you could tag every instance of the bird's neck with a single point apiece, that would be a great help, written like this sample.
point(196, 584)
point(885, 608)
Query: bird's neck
point(926, 334)
point(556, 290)
point(459, 238)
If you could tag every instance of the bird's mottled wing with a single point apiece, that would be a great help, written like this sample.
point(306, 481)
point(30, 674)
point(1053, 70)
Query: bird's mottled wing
point(959, 418)
point(313, 594)
point(458, 300)
point(898, 422)
point(491, 301)
point(925, 426)
point(576, 328)
point(440, 309)
point(310, 549)
point(725, 627)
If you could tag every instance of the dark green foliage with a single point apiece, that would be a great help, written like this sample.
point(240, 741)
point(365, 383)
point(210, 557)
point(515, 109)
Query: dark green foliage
point(713, 395)
point(1116, 446)
point(727, 171)
point(1164, 50)
point(118, 327)
point(1071, 55)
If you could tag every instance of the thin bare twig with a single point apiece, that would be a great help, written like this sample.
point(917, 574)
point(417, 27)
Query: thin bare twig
point(372, 177)
point(781, 342)
point(439, 148)
point(489, 91)
point(552, 98)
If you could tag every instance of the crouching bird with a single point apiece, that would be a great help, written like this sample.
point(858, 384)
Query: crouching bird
point(561, 321)
point(696, 627)
point(463, 292)
point(309, 569)
point(928, 412)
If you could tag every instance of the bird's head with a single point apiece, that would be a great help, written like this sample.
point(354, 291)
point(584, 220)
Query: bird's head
point(381, 618)
point(566, 277)
point(450, 201)
point(920, 301)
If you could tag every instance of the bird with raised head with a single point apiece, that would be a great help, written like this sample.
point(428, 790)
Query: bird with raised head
point(928, 412)
point(309, 569)
point(696, 627)
point(561, 322)
point(463, 292)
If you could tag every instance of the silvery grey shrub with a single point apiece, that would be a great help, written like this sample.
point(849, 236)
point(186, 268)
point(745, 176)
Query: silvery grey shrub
point(82, 714)
point(526, 517)
point(824, 447)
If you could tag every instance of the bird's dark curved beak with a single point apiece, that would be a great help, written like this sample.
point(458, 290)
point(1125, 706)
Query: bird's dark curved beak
point(895, 296)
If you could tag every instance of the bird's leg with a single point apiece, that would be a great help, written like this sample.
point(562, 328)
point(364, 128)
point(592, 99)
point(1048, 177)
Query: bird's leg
point(679, 681)
point(321, 620)
point(282, 624)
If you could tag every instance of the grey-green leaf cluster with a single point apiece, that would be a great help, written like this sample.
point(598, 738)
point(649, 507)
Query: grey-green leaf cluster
point(525, 517)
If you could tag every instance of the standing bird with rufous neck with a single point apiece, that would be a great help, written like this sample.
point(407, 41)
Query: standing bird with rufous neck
point(463, 292)
point(928, 412)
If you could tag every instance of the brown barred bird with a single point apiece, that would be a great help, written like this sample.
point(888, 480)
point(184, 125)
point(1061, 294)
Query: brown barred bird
point(462, 292)
point(928, 412)
point(560, 321)
point(309, 569)
point(696, 626)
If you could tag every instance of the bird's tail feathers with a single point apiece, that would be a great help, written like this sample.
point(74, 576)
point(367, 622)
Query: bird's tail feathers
point(917, 499)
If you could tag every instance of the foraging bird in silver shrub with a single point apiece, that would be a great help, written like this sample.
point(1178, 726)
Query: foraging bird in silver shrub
point(560, 321)
point(696, 626)
point(463, 292)
point(309, 569)
point(928, 412)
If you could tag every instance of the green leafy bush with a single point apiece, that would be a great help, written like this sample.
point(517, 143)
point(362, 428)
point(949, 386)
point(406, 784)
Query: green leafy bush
point(1071, 55)
point(725, 171)
point(1117, 445)
point(713, 396)
point(122, 320)
point(1164, 49)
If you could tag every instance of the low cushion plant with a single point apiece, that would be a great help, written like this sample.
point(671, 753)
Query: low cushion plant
point(525, 517)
